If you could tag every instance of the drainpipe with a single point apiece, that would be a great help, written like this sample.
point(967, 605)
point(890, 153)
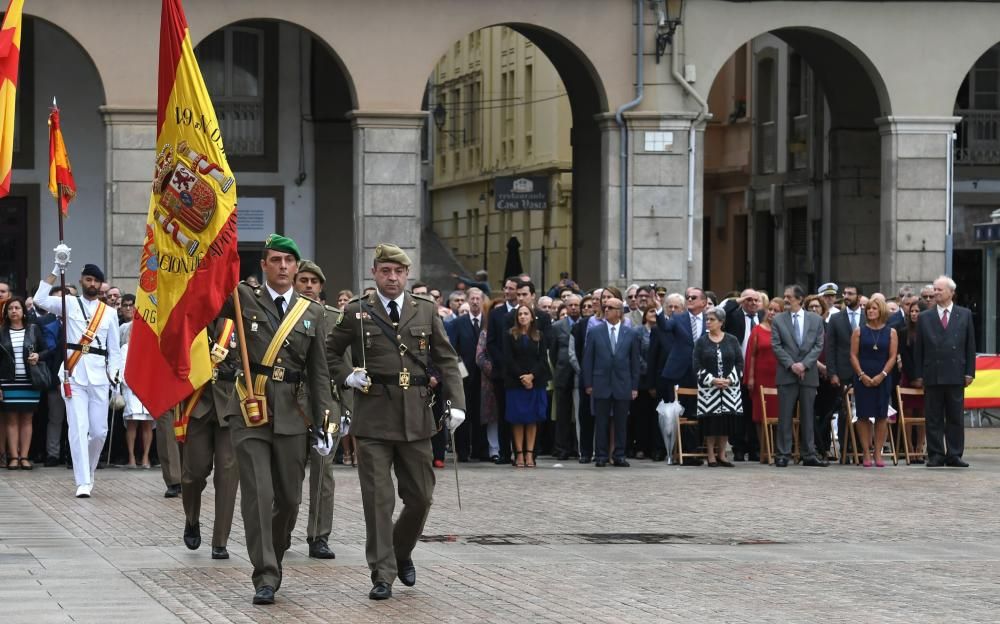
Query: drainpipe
point(692, 147)
point(623, 139)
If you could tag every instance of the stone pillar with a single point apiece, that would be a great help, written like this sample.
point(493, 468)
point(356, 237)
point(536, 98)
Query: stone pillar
point(854, 195)
point(658, 201)
point(914, 199)
point(131, 152)
point(387, 186)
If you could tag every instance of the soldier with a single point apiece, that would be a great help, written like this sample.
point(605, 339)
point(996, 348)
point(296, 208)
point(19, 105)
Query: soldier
point(284, 341)
point(95, 363)
point(209, 444)
point(395, 336)
point(309, 283)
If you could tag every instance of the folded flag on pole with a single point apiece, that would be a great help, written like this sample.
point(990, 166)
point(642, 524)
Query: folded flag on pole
point(984, 392)
point(61, 183)
point(189, 262)
point(10, 55)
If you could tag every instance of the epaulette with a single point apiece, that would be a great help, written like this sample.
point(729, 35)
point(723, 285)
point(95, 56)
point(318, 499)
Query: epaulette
point(330, 308)
point(424, 297)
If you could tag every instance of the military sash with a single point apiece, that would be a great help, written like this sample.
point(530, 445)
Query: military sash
point(88, 336)
point(218, 355)
point(260, 381)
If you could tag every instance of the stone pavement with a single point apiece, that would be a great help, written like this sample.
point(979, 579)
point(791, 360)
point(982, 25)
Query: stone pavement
point(652, 543)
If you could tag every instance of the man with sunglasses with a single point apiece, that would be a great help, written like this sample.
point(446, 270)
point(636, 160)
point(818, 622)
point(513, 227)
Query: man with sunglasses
point(687, 327)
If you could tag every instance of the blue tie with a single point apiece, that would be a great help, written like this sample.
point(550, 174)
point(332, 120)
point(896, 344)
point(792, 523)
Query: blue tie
point(614, 339)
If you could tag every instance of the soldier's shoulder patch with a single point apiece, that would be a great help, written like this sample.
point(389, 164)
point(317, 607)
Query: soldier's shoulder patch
point(340, 316)
point(423, 297)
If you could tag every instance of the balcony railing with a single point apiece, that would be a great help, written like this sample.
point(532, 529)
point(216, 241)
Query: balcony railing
point(978, 141)
point(242, 127)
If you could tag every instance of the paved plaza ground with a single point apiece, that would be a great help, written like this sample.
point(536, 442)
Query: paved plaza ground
point(651, 543)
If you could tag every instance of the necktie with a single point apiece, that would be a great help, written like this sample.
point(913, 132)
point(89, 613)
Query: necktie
point(797, 328)
point(614, 339)
point(475, 325)
point(854, 319)
point(753, 320)
point(279, 303)
point(694, 327)
point(944, 320)
point(393, 311)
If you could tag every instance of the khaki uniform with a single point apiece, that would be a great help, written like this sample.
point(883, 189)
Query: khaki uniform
point(393, 425)
point(209, 446)
point(272, 458)
point(167, 449)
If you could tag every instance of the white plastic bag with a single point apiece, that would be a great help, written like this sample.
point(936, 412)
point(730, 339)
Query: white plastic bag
point(669, 413)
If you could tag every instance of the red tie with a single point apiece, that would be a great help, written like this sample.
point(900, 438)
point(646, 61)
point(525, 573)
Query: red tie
point(944, 319)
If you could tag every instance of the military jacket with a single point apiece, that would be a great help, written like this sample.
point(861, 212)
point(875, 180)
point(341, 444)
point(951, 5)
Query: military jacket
point(343, 398)
point(216, 396)
point(301, 353)
point(388, 411)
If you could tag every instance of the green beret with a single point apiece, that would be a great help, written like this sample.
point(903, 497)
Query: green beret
point(311, 267)
point(387, 252)
point(283, 244)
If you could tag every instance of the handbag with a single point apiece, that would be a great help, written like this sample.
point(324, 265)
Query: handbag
point(41, 376)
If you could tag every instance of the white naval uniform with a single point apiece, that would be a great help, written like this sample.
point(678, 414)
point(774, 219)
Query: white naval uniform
point(87, 409)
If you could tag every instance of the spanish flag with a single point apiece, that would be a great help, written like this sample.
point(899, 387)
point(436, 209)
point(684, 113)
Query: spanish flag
point(189, 262)
point(10, 55)
point(61, 183)
point(984, 392)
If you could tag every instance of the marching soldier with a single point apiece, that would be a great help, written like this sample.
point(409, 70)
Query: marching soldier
point(291, 384)
point(208, 443)
point(309, 283)
point(94, 364)
point(393, 337)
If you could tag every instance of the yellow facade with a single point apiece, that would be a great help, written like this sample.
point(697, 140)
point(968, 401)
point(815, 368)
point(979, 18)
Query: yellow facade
point(506, 113)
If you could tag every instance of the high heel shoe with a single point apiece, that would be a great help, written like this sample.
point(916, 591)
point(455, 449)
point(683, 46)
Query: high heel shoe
point(519, 461)
point(532, 464)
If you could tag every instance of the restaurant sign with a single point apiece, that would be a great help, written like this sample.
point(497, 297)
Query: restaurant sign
point(521, 192)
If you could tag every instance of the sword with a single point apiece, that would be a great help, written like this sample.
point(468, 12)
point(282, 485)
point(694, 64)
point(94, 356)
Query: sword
point(458, 487)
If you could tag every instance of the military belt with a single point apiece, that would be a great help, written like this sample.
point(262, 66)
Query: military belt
point(85, 349)
point(224, 375)
point(276, 373)
point(395, 380)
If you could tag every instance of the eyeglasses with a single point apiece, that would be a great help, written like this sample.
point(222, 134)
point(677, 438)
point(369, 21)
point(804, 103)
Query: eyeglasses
point(693, 297)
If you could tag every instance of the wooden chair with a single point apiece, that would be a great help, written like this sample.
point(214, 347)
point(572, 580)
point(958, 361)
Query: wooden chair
point(905, 422)
point(851, 444)
point(683, 422)
point(769, 422)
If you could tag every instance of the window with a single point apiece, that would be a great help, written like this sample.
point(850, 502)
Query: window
point(507, 110)
point(455, 119)
point(766, 108)
point(985, 84)
point(241, 77)
point(529, 108)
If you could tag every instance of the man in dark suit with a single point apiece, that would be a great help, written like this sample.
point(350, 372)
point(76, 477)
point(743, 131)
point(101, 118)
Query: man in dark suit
point(660, 342)
point(611, 376)
point(742, 315)
point(584, 414)
point(564, 378)
point(494, 347)
point(463, 332)
point(945, 364)
point(840, 327)
point(684, 329)
point(797, 339)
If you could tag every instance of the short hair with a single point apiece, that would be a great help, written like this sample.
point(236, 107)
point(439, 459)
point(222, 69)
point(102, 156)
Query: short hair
point(455, 294)
point(883, 309)
point(951, 283)
point(850, 285)
point(584, 299)
point(718, 313)
point(904, 291)
point(482, 275)
point(469, 292)
point(126, 298)
point(526, 284)
point(679, 298)
point(645, 288)
point(573, 296)
point(417, 285)
point(700, 290)
point(818, 299)
point(797, 291)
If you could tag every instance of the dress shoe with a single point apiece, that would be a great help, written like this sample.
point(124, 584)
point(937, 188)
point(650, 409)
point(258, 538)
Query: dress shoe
point(319, 549)
point(584, 460)
point(264, 595)
point(220, 552)
point(173, 491)
point(51, 462)
point(495, 459)
point(621, 463)
point(781, 462)
point(406, 572)
point(192, 536)
point(956, 462)
point(600, 463)
point(726, 464)
point(381, 591)
point(815, 463)
point(935, 463)
point(84, 491)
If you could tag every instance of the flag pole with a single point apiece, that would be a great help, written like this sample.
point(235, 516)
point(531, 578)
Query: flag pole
point(67, 391)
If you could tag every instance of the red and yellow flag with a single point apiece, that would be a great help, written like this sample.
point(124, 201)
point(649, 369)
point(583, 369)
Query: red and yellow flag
point(10, 55)
point(189, 262)
point(61, 183)
point(984, 392)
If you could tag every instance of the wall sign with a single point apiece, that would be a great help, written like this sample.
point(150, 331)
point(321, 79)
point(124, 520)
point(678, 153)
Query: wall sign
point(521, 192)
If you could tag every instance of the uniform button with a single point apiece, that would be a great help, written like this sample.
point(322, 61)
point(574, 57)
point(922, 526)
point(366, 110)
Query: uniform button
point(279, 360)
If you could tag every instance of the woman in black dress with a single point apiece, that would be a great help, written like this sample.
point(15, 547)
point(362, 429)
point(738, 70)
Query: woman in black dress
point(526, 373)
point(718, 362)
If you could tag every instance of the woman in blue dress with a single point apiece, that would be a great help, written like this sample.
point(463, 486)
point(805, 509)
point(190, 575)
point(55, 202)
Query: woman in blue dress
point(873, 354)
point(526, 373)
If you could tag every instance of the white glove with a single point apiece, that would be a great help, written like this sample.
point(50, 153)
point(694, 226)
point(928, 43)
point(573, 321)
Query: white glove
point(62, 258)
point(358, 380)
point(457, 418)
point(324, 444)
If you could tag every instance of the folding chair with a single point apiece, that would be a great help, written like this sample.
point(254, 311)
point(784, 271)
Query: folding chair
point(851, 444)
point(905, 422)
point(686, 422)
point(769, 422)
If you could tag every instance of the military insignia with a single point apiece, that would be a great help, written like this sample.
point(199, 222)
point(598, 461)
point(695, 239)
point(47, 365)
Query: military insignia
point(253, 326)
point(423, 344)
point(306, 324)
point(340, 319)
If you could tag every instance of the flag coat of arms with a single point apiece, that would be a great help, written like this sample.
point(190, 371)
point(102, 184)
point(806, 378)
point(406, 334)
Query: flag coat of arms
point(189, 262)
point(10, 56)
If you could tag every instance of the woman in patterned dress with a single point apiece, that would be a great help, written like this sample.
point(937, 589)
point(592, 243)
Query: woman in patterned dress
point(718, 360)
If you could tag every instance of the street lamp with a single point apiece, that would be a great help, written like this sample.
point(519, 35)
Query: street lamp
point(440, 115)
point(668, 18)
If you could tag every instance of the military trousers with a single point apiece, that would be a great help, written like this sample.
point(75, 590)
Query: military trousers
point(272, 468)
point(387, 542)
point(167, 449)
point(209, 446)
point(320, 521)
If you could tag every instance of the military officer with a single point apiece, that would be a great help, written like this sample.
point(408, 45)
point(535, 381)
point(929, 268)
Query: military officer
point(309, 283)
point(285, 345)
point(393, 337)
point(209, 444)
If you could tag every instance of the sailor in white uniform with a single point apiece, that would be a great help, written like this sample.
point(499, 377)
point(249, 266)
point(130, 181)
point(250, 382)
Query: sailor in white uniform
point(98, 367)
